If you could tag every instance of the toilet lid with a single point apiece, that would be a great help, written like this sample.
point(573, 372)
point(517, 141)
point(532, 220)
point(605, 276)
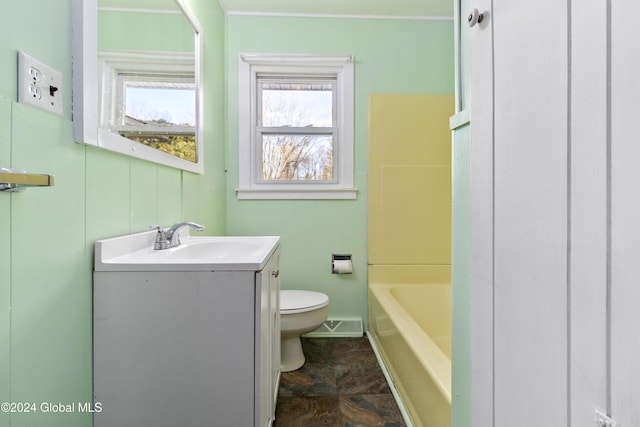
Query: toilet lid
point(292, 301)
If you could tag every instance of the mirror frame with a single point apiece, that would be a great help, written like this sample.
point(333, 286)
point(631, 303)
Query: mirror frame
point(86, 99)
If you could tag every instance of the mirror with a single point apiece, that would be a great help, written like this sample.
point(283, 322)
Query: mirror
point(136, 80)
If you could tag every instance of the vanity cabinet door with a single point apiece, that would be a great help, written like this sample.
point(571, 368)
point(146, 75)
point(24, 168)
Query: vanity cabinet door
point(267, 340)
point(274, 290)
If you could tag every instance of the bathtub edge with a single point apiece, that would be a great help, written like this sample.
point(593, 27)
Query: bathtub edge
point(383, 296)
point(394, 392)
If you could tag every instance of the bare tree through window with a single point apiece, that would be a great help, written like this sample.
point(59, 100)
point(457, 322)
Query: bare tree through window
point(297, 131)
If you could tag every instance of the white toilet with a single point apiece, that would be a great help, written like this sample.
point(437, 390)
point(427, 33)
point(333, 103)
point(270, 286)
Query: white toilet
point(300, 312)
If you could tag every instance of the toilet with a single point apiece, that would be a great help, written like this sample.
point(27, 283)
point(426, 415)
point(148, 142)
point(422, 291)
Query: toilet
point(300, 312)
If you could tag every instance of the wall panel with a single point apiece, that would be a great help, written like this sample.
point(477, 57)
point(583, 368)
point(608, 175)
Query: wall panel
point(409, 209)
point(588, 210)
point(50, 290)
point(5, 262)
point(625, 211)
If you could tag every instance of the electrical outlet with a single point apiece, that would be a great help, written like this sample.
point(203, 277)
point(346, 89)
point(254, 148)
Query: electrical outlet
point(39, 85)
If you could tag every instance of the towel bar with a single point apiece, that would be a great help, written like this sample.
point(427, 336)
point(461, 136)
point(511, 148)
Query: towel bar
point(15, 180)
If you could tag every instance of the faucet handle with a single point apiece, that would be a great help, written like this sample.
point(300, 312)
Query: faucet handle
point(161, 238)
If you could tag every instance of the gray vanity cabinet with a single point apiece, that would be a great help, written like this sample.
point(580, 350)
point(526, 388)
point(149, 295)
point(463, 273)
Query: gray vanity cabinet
point(187, 348)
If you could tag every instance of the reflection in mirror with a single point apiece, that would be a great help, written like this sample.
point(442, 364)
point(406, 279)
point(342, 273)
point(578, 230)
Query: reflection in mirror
point(146, 60)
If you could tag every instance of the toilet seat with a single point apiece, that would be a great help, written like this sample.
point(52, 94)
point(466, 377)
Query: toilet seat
point(296, 301)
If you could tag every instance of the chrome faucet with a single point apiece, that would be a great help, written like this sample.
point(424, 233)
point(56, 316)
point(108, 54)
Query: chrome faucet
point(174, 237)
point(171, 237)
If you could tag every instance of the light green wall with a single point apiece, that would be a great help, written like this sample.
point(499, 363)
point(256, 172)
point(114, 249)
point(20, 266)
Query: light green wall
point(460, 279)
point(461, 238)
point(144, 31)
point(398, 56)
point(46, 244)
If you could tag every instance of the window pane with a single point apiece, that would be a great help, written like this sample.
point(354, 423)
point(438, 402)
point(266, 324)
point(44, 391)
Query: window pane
point(183, 146)
point(297, 105)
point(161, 115)
point(160, 106)
point(297, 157)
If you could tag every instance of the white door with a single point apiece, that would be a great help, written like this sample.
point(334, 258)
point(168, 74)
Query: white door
point(555, 213)
point(521, 254)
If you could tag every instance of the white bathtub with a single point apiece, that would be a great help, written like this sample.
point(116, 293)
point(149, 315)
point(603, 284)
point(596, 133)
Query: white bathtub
point(410, 324)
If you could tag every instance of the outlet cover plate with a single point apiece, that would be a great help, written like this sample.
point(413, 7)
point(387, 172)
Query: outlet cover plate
point(39, 85)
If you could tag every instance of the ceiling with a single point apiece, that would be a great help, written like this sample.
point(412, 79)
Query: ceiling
point(365, 8)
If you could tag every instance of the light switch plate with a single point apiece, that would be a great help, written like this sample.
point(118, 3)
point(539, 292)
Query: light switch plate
point(39, 85)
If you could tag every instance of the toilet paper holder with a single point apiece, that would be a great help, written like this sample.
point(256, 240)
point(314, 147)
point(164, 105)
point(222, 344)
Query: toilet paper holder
point(341, 258)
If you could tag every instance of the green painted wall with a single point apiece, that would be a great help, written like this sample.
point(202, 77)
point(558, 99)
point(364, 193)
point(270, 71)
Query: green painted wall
point(460, 278)
point(461, 237)
point(397, 56)
point(144, 31)
point(46, 242)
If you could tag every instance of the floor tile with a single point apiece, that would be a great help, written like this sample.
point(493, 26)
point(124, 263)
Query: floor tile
point(308, 412)
point(370, 411)
point(313, 379)
point(318, 349)
point(340, 384)
point(361, 378)
point(351, 346)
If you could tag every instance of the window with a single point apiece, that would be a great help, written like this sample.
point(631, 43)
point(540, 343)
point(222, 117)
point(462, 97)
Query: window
point(151, 102)
point(296, 127)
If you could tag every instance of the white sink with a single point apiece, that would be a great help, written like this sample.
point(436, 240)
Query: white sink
point(196, 253)
point(204, 248)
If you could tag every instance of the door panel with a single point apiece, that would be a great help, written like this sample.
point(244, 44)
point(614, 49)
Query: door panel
point(481, 218)
point(625, 214)
point(530, 137)
point(588, 232)
point(519, 98)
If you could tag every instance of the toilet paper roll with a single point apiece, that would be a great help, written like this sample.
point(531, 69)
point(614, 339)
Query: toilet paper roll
point(342, 266)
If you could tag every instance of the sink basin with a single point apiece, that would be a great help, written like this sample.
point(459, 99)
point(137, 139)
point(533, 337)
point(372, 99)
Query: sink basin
point(213, 250)
point(196, 253)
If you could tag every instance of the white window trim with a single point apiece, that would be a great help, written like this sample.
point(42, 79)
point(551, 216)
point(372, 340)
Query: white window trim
point(250, 187)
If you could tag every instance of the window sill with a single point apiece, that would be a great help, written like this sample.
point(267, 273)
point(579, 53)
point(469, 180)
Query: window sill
point(291, 194)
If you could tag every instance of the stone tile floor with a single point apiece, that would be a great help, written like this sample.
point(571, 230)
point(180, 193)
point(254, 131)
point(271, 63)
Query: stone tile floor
point(340, 385)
